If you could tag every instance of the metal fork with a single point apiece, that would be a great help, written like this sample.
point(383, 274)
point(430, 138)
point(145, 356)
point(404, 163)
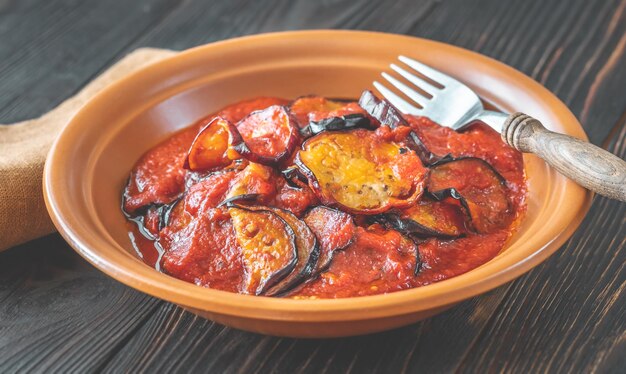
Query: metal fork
point(453, 104)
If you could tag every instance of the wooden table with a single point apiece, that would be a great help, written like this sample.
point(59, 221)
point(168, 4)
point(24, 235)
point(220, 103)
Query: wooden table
point(57, 312)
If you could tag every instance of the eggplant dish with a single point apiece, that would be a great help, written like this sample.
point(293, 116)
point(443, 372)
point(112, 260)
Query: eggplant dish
point(323, 198)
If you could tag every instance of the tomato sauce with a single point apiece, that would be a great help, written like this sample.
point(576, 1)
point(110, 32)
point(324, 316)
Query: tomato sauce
point(179, 219)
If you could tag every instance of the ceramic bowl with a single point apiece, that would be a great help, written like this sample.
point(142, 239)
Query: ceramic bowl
point(89, 164)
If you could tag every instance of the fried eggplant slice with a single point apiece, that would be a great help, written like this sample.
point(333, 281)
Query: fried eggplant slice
point(429, 218)
point(387, 114)
point(479, 188)
point(333, 229)
point(268, 247)
point(308, 249)
point(316, 108)
point(214, 147)
point(269, 135)
point(361, 172)
point(255, 179)
point(349, 121)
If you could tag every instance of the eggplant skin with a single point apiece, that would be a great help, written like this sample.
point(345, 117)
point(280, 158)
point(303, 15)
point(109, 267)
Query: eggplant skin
point(251, 230)
point(239, 198)
point(410, 227)
point(349, 121)
point(486, 211)
point(165, 212)
point(138, 216)
point(382, 110)
point(294, 177)
point(387, 114)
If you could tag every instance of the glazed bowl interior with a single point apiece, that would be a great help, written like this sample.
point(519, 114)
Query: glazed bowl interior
point(90, 163)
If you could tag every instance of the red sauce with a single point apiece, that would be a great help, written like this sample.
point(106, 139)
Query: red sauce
point(183, 231)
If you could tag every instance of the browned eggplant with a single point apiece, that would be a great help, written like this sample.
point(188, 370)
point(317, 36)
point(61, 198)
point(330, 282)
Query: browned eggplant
point(333, 229)
point(269, 136)
point(361, 172)
point(383, 111)
point(429, 218)
point(254, 179)
point(308, 249)
point(214, 147)
point(268, 246)
point(349, 121)
point(479, 188)
point(303, 106)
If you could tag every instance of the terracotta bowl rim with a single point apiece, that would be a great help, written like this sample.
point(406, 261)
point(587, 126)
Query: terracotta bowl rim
point(128, 270)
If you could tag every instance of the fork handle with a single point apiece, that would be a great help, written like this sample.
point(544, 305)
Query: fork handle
point(586, 164)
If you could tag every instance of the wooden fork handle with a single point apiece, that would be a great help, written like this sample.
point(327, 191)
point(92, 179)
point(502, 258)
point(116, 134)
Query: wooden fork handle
point(586, 164)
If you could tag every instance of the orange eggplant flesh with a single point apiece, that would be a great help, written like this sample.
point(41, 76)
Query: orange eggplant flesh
point(308, 251)
point(305, 105)
point(429, 218)
point(268, 247)
point(214, 146)
point(387, 114)
point(334, 230)
point(269, 135)
point(479, 188)
point(360, 172)
point(255, 179)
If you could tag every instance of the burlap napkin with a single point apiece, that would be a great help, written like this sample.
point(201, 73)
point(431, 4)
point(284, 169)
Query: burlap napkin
point(23, 150)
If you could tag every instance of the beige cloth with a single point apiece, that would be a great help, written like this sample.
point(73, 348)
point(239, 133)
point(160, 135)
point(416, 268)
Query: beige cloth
point(23, 150)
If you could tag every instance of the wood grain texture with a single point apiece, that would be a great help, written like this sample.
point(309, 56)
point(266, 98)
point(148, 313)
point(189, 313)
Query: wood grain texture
point(567, 315)
point(44, 326)
point(586, 164)
point(49, 49)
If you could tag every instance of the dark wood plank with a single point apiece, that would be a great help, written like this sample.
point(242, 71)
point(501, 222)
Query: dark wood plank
point(49, 49)
point(575, 48)
point(59, 313)
point(195, 22)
